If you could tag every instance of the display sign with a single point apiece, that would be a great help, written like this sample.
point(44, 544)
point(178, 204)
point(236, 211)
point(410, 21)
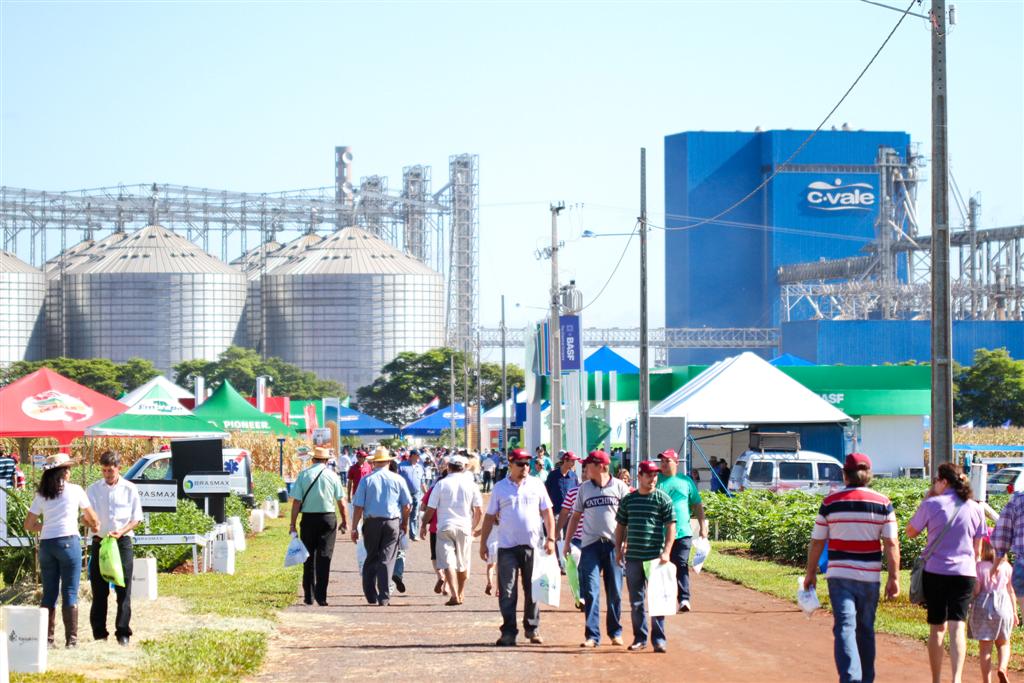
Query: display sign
point(321, 436)
point(837, 196)
point(571, 342)
point(157, 496)
point(207, 484)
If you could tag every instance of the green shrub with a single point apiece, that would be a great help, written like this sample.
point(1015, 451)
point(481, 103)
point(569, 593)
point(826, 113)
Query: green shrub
point(265, 485)
point(234, 507)
point(187, 519)
point(15, 562)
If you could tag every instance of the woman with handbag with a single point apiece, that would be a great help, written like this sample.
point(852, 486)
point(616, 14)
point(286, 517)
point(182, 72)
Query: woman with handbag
point(955, 525)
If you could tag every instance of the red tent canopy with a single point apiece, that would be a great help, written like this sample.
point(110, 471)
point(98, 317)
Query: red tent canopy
point(46, 404)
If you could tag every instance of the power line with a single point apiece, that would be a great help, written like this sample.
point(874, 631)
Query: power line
point(808, 139)
point(614, 270)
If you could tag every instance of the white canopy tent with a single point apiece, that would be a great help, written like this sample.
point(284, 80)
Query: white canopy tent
point(137, 394)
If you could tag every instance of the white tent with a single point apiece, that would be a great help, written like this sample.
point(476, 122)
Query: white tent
point(745, 390)
point(136, 395)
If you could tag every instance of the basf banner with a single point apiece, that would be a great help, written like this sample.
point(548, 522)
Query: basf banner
point(572, 342)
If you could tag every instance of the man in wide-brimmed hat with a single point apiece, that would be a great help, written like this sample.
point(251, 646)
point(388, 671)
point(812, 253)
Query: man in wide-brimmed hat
point(382, 502)
point(316, 492)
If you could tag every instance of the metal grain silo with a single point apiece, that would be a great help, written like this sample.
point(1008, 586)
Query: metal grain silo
point(22, 294)
point(346, 306)
point(152, 294)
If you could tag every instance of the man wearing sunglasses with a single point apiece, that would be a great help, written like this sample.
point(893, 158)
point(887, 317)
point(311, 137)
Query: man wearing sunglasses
point(521, 508)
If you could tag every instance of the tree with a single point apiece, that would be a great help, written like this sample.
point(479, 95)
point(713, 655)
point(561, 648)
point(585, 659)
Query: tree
point(241, 367)
point(413, 379)
point(991, 391)
point(99, 374)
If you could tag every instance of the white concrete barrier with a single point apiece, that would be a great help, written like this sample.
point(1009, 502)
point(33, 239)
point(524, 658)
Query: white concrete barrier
point(272, 508)
point(25, 637)
point(144, 579)
point(237, 533)
point(257, 521)
point(224, 557)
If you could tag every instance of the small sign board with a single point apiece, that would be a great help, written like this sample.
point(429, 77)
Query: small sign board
point(157, 496)
point(206, 484)
point(321, 436)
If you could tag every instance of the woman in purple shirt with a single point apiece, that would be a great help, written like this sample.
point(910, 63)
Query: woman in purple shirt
point(949, 572)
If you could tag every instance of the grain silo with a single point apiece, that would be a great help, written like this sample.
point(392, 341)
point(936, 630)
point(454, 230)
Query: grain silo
point(346, 306)
point(151, 294)
point(23, 291)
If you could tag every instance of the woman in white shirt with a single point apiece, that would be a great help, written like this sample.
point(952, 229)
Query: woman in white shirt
point(58, 502)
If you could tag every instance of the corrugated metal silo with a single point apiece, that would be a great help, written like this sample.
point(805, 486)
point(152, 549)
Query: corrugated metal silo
point(23, 291)
point(345, 307)
point(152, 294)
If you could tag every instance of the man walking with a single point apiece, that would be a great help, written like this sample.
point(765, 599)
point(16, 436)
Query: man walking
point(645, 531)
point(359, 469)
point(853, 520)
point(488, 465)
point(521, 506)
point(685, 500)
point(118, 506)
point(315, 493)
point(7, 467)
point(382, 501)
point(599, 497)
point(457, 502)
point(562, 479)
point(415, 477)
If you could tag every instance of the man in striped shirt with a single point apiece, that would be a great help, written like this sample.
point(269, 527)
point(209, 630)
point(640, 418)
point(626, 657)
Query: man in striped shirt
point(853, 521)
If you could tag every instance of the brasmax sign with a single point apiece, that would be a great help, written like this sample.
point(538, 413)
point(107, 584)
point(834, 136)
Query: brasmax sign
point(157, 496)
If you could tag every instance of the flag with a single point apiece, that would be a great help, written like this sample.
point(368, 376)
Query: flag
point(967, 425)
point(1007, 424)
point(434, 404)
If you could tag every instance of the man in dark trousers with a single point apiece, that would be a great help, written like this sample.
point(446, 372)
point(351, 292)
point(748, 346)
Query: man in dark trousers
point(315, 493)
point(382, 502)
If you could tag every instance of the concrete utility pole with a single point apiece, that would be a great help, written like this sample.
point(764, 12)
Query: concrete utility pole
point(643, 428)
point(555, 345)
point(504, 384)
point(942, 333)
point(451, 403)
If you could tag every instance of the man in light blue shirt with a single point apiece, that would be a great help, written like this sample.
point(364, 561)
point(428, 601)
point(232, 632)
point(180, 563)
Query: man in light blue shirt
point(382, 502)
point(415, 476)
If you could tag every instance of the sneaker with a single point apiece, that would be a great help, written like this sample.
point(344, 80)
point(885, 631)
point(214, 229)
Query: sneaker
point(636, 647)
point(506, 641)
point(660, 647)
point(383, 603)
point(122, 641)
point(399, 584)
point(617, 640)
point(534, 638)
point(589, 643)
point(684, 606)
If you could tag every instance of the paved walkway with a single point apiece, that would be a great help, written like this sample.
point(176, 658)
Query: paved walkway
point(734, 635)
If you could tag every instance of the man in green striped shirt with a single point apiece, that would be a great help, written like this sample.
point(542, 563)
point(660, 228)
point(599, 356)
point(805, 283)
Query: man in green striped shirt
point(645, 530)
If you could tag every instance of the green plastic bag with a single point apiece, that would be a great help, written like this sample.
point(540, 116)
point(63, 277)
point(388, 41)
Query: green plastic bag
point(572, 573)
point(110, 562)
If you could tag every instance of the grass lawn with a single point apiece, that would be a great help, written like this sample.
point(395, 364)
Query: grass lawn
point(732, 561)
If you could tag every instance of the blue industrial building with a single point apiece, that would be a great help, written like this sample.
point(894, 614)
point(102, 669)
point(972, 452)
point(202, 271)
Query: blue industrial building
point(822, 205)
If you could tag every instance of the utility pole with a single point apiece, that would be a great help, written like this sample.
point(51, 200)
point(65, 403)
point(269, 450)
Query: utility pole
point(451, 403)
point(942, 333)
point(643, 431)
point(555, 345)
point(479, 416)
point(504, 384)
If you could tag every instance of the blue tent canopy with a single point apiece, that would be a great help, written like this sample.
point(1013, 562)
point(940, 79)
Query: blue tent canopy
point(437, 422)
point(352, 421)
point(606, 360)
point(788, 359)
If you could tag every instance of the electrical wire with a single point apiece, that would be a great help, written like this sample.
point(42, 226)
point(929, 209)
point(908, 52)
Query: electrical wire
point(614, 270)
point(808, 139)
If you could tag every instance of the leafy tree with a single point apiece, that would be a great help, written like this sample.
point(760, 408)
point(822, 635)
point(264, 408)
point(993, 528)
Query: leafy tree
point(241, 366)
point(412, 379)
point(99, 374)
point(991, 391)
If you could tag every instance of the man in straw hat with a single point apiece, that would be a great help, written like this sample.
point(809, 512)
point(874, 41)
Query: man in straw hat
point(382, 502)
point(315, 493)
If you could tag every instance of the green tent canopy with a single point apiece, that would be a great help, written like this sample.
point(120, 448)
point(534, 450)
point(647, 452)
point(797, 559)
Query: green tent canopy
point(228, 410)
point(156, 414)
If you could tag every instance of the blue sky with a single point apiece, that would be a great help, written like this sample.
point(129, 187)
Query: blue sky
point(556, 98)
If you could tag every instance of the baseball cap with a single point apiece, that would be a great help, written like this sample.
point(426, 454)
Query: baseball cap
point(856, 461)
point(569, 455)
point(597, 457)
point(519, 454)
point(414, 451)
point(650, 467)
point(457, 460)
point(669, 455)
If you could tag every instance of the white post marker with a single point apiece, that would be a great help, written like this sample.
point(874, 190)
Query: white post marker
point(257, 521)
point(272, 508)
point(144, 578)
point(224, 557)
point(25, 637)
point(236, 532)
point(4, 675)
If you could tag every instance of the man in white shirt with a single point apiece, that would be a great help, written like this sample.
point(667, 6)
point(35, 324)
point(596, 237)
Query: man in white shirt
point(344, 462)
point(119, 509)
point(457, 502)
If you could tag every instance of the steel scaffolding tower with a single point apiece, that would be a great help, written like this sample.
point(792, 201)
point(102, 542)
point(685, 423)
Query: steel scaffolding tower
point(464, 250)
point(416, 187)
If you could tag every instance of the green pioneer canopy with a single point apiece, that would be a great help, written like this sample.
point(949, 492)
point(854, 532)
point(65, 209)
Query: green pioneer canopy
point(228, 410)
point(156, 414)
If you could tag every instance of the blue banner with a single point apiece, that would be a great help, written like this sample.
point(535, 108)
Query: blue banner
point(571, 342)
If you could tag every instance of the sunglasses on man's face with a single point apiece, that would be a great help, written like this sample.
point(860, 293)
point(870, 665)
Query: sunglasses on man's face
point(519, 463)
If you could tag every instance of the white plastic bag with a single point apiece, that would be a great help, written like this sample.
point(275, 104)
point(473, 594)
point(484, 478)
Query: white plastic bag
point(701, 550)
point(661, 589)
point(547, 578)
point(360, 554)
point(296, 553)
point(403, 541)
point(807, 599)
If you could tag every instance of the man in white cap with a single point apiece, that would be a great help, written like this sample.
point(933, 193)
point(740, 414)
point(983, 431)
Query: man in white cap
point(382, 502)
point(457, 502)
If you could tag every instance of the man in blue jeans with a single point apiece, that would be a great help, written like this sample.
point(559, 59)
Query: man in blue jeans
point(599, 497)
point(857, 523)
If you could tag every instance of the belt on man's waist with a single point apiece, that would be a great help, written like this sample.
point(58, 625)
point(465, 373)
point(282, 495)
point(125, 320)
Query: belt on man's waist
point(384, 518)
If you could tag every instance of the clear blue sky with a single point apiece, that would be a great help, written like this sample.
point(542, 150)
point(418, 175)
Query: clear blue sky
point(556, 98)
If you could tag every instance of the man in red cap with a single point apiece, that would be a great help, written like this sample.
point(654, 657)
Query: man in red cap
point(685, 499)
point(359, 469)
point(857, 523)
point(645, 531)
point(524, 509)
point(562, 479)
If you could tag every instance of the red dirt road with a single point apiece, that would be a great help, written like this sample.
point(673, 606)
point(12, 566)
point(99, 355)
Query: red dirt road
point(734, 635)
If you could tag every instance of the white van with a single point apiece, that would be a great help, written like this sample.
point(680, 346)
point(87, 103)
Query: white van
point(782, 471)
point(237, 461)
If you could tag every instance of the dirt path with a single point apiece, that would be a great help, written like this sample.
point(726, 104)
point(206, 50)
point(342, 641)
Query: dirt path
point(735, 634)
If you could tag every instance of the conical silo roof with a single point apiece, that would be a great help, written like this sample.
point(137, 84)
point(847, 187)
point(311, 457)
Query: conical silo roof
point(352, 251)
point(277, 254)
point(80, 252)
point(153, 249)
point(9, 263)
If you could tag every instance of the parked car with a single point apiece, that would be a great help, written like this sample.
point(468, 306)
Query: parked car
point(1006, 480)
point(237, 461)
point(781, 471)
